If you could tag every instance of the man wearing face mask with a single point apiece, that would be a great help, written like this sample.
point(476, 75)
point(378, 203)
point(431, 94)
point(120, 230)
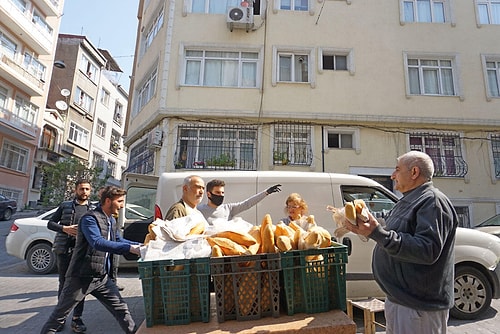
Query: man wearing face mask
point(214, 209)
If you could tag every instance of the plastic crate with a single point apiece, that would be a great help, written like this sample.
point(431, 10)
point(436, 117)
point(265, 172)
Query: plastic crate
point(175, 292)
point(314, 280)
point(246, 287)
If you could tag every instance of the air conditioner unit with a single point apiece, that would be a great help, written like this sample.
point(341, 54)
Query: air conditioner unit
point(155, 138)
point(240, 18)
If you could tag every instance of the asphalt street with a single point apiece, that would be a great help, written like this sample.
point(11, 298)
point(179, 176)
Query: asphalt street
point(26, 300)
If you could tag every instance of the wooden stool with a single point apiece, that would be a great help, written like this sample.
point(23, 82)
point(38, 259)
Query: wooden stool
point(370, 307)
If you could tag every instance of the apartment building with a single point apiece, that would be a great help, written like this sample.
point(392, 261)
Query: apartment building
point(28, 35)
point(321, 85)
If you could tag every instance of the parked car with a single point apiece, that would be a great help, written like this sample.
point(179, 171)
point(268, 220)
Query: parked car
point(7, 207)
point(490, 225)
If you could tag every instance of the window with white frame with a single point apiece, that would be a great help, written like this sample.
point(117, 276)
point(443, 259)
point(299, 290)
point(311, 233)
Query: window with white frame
point(153, 30)
point(424, 10)
point(341, 138)
point(34, 66)
point(217, 68)
point(492, 69)
point(292, 144)
point(297, 5)
point(147, 90)
point(488, 11)
point(213, 6)
point(216, 147)
point(111, 168)
point(293, 66)
point(78, 135)
point(141, 159)
point(114, 143)
point(7, 46)
point(88, 67)
point(105, 96)
point(14, 157)
point(83, 100)
point(117, 115)
point(335, 59)
point(20, 4)
point(3, 98)
point(25, 111)
point(431, 75)
point(495, 150)
point(39, 21)
point(445, 149)
point(101, 128)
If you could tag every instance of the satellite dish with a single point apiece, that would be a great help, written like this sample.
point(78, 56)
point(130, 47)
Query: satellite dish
point(65, 92)
point(61, 105)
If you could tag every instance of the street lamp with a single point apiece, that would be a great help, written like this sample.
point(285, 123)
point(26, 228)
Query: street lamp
point(59, 64)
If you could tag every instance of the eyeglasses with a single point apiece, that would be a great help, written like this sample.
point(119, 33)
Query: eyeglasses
point(292, 207)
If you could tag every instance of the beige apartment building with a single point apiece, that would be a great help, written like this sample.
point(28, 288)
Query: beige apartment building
point(28, 36)
point(321, 85)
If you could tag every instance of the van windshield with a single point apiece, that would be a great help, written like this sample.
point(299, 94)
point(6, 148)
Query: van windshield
point(378, 202)
point(140, 203)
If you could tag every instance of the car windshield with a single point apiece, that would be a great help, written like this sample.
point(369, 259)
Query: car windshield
point(493, 221)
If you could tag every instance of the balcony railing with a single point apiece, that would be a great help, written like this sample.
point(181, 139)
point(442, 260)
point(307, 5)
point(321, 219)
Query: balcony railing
point(24, 73)
point(15, 121)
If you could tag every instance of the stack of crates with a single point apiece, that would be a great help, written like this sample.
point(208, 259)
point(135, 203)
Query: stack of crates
point(246, 287)
point(176, 292)
point(314, 280)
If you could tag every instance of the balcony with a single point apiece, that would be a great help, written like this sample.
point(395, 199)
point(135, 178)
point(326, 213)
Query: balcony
point(47, 156)
point(21, 24)
point(20, 77)
point(49, 7)
point(16, 126)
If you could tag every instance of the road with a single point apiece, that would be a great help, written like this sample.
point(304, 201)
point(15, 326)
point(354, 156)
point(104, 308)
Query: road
point(26, 301)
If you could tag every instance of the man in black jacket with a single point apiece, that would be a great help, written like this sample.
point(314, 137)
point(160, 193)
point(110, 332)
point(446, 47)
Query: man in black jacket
point(90, 269)
point(65, 223)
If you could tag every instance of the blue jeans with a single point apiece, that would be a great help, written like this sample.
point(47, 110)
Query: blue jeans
point(103, 289)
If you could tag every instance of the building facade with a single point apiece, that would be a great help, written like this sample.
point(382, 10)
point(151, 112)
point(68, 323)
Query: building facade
point(321, 85)
point(28, 36)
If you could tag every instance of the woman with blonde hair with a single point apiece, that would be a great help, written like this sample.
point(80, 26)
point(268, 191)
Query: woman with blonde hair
point(295, 208)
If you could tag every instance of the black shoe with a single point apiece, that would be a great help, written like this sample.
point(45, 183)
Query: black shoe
point(120, 287)
point(60, 328)
point(78, 326)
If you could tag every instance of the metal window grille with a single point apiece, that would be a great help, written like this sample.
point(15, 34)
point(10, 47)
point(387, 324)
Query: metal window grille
point(495, 148)
point(292, 144)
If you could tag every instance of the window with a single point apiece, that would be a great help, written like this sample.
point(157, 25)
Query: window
point(3, 98)
point(293, 67)
point(147, 90)
point(298, 5)
point(97, 161)
point(39, 21)
point(7, 46)
point(488, 11)
point(20, 4)
point(221, 68)
point(117, 115)
point(463, 216)
point(14, 157)
point(87, 67)
point(33, 66)
point(213, 6)
point(492, 72)
point(111, 168)
point(216, 147)
point(105, 97)
point(153, 30)
point(424, 11)
point(114, 143)
point(333, 59)
point(292, 144)
point(342, 138)
point(49, 136)
point(141, 159)
point(445, 151)
point(25, 111)
point(431, 76)
point(101, 128)
point(78, 135)
point(83, 100)
point(495, 150)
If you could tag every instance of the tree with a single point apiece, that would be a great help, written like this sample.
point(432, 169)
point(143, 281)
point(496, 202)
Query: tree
point(59, 180)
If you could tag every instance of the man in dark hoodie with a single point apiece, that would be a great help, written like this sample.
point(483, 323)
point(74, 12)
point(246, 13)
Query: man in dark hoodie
point(413, 260)
point(90, 269)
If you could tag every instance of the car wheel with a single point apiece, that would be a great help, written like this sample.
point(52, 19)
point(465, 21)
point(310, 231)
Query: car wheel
point(40, 259)
point(7, 214)
point(473, 293)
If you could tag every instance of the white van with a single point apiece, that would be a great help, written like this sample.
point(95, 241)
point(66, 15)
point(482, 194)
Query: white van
point(477, 253)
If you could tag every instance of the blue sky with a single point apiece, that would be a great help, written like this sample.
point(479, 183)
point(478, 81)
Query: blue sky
point(108, 24)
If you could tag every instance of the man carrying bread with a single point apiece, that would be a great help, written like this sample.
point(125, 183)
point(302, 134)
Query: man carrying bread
point(413, 260)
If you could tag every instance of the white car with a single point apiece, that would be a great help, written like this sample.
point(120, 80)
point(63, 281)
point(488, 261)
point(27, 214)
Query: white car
point(477, 254)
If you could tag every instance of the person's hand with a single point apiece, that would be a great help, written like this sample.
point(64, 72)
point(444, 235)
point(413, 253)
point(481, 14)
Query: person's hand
point(362, 228)
point(135, 249)
point(274, 189)
point(70, 230)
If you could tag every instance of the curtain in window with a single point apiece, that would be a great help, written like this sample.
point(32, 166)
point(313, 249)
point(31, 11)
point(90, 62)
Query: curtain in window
point(249, 75)
point(285, 69)
point(438, 8)
point(193, 72)
point(447, 78)
point(198, 6)
point(408, 11)
point(430, 81)
point(221, 73)
point(493, 83)
point(495, 13)
point(424, 11)
point(483, 14)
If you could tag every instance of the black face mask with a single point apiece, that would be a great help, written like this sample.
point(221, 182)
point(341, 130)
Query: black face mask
point(216, 199)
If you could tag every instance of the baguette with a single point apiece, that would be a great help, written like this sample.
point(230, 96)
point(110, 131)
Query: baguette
point(257, 247)
point(244, 239)
point(197, 229)
point(350, 212)
point(267, 235)
point(361, 209)
point(228, 246)
point(216, 251)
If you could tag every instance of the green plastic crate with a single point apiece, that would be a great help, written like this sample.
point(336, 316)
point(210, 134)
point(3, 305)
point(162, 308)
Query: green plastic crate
point(175, 292)
point(314, 280)
point(246, 287)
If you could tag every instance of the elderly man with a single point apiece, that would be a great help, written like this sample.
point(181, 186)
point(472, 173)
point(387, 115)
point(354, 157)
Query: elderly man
point(413, 260)
point(193, 188)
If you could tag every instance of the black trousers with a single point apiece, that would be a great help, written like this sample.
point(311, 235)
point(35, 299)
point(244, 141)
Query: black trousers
point(62, 267)
point(103, 289)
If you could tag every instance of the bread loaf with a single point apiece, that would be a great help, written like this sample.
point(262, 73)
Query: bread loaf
point(267, 235)
point(350, 212)
point(228, 246)
point(244, 239)
point(284, 243)
point(197, 229)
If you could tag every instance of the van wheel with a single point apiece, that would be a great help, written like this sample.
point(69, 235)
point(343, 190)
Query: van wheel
point(472, 292)
point(40, 259)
